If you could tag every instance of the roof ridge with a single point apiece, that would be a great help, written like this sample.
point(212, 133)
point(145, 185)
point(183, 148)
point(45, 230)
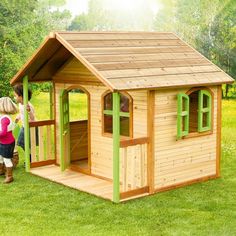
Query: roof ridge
point(113, 32)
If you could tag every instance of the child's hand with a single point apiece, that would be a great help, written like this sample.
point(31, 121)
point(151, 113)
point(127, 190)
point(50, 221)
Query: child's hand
point(28, 108)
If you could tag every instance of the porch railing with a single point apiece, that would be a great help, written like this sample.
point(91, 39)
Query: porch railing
point(133, 164)
point(42, 144)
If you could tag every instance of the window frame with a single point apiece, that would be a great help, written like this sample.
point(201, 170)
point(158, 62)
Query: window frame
point(207, 132)
point(106, 134)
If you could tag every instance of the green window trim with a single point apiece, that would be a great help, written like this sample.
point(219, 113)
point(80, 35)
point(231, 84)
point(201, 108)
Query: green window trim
point(182, 115)
point(204, 111)
point(125, 116)
point(110, 112)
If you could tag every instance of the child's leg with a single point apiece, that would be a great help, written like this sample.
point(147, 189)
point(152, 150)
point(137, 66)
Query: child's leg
point(21, 141)
point(8, 162)
point(9, 169)
point(1, 166)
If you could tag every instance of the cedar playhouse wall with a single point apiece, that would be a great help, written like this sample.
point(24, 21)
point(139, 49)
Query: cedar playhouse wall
point(185, 160)
point(175, 162)
point(101, 146)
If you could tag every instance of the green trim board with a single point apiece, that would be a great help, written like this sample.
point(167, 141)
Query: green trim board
point(122, 114)
point(204, 110)
point(116, 147)
point(26, 125)
point(182, 115)
point(64, 129)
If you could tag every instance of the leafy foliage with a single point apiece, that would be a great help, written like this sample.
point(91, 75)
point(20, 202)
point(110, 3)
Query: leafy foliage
point(209, 26)
point(23, 25)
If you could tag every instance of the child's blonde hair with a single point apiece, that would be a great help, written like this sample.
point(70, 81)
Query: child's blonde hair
point(7, 106)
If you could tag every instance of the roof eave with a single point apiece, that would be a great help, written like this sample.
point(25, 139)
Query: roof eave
point(176, 86)
point(21, 73)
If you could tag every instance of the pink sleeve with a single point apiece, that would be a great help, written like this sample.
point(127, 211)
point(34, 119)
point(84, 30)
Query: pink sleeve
point(5, 122)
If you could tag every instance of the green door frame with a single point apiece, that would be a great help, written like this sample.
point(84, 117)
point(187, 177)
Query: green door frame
point(64, 128)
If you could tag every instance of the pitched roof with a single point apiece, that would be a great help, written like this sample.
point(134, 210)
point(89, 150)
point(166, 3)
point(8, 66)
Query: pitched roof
point(125, 60)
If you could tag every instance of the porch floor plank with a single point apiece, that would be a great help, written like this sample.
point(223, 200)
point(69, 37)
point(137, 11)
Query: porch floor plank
point(79, 181)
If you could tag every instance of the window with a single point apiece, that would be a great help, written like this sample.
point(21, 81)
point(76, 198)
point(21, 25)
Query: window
point(194, 112)
point(125, 114)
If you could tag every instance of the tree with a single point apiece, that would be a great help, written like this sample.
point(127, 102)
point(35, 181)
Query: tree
point(23, 25)
point(166, 17)
point(209, 26)
point(224, 39)
point(79, 23)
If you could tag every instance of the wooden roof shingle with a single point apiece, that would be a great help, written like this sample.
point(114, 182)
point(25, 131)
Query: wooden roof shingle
point(127, 60)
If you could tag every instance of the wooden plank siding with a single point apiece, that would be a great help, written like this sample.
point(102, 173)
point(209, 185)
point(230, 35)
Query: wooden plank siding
point(177, 162)
point(75, 72)
point(101, 146)
point(79, 140)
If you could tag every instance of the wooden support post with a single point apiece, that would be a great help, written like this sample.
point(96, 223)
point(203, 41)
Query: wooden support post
point(26, 124)
point(218, 139)
point(151, 136)
point(116, 147)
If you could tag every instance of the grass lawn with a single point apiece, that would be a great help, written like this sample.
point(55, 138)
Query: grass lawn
point(34, 206)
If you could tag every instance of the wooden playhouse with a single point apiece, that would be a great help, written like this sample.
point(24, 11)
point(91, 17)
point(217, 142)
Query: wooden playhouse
point(154, 113)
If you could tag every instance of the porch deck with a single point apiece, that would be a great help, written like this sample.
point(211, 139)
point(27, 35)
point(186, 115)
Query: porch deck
point(79, 181)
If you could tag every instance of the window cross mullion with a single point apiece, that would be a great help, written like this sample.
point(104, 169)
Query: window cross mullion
point(184, 113)
point(108, 112)
point(204, 110)
point(124, 114)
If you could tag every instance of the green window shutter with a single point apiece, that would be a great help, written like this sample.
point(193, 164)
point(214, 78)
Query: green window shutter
point(182, 115)
point(204, 110)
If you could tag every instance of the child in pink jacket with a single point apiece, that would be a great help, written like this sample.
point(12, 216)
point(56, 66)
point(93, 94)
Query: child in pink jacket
point(7, 141)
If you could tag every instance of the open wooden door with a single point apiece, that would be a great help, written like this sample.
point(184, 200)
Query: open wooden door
point(64, 130)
